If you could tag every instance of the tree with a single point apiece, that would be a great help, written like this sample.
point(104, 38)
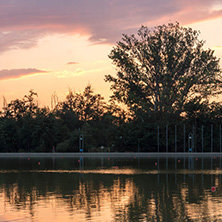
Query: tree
point(18, 108)
point(47, 131)
point(164, 69)
point(86, 106)
point(8, 135)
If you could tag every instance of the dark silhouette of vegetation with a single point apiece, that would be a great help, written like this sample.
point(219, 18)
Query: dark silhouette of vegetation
point(165, 82)
point(165, 70)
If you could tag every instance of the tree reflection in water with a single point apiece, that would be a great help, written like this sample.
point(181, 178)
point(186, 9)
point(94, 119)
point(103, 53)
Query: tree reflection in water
point(138, 190)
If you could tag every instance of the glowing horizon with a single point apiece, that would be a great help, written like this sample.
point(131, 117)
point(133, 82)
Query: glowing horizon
point(51, 46)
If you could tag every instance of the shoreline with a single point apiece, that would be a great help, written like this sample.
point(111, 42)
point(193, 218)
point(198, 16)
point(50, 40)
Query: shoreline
point(110, 155)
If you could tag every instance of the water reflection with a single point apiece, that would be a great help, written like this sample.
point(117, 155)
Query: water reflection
point(103, 189)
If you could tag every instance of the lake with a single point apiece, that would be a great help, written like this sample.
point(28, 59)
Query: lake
point(110, 189)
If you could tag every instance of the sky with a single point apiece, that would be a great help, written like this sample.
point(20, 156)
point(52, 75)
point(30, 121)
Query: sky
point(52, 46)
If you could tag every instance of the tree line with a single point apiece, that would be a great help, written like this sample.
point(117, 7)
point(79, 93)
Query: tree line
point(165, 83)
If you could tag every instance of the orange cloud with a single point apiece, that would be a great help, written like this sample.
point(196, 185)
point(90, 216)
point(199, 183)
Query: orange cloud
point(17, 73)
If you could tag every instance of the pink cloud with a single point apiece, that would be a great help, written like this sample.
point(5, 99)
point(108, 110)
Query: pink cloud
point(72, 63)
point(19, 39)
point(16, 73)
point(103, 21)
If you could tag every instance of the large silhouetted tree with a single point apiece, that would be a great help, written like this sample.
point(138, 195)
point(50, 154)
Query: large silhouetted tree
point(163, 70)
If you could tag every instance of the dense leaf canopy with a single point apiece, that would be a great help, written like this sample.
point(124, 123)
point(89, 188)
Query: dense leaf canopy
point(164, 70)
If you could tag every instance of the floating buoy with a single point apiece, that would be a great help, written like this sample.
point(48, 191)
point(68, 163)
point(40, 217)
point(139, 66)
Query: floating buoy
point(39, 163)
point(213, 189)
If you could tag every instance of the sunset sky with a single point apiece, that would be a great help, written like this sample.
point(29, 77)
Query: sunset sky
point(53, 45)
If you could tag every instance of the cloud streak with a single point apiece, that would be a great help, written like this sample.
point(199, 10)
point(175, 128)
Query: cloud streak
point(72, 63)
point(17, 73)
point(23, 22)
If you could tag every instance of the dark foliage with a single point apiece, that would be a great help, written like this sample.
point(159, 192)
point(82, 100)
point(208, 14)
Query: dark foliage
point(165, 81)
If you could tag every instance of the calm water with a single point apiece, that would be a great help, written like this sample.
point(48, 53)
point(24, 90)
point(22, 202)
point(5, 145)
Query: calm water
point(110, 189)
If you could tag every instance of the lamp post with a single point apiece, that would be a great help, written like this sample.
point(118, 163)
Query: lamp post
point(190, 142)
point(81, 142)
